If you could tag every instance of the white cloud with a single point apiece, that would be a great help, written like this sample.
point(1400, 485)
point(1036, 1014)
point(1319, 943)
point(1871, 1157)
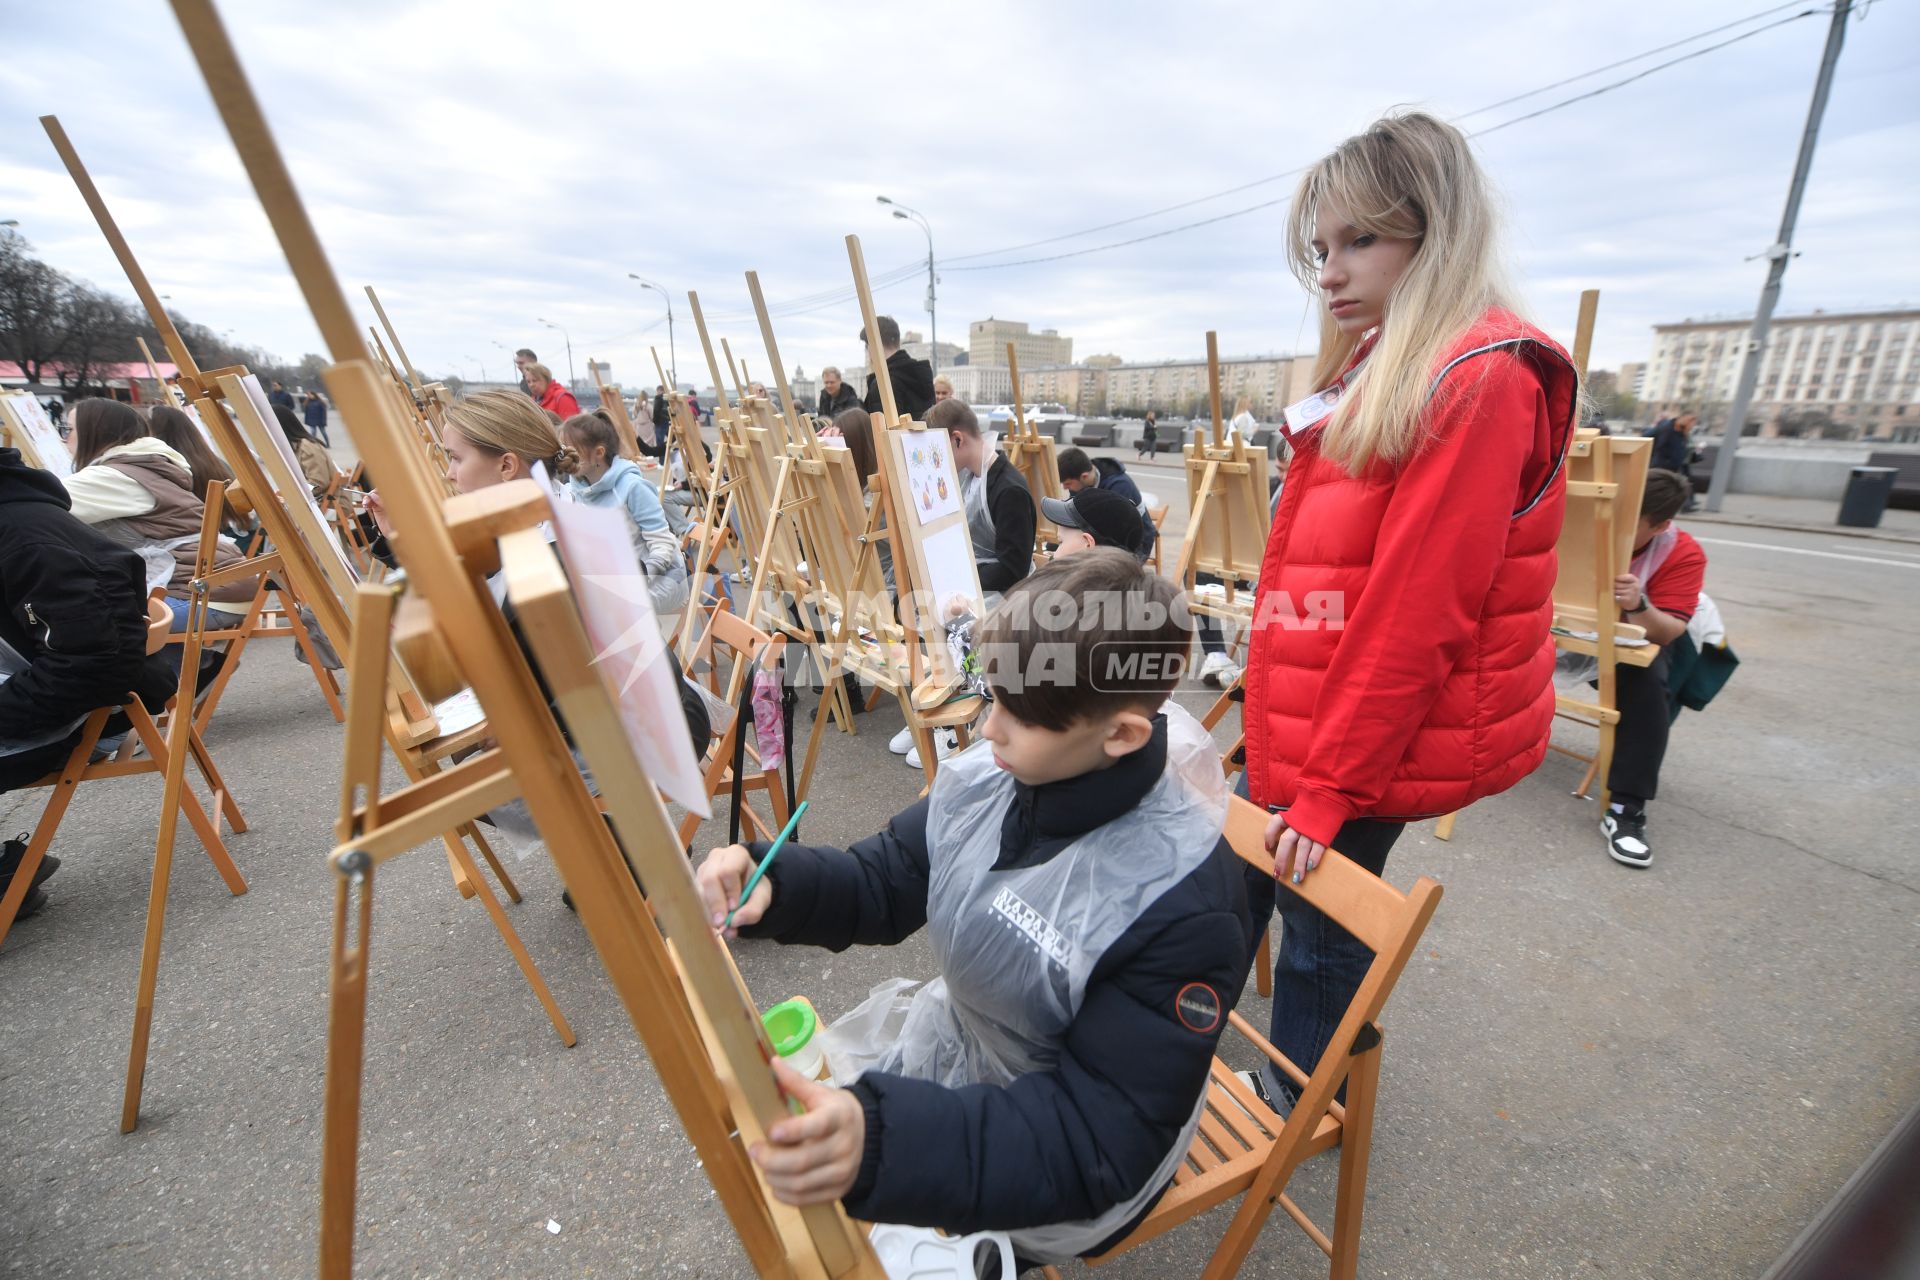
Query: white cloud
point(483, 165)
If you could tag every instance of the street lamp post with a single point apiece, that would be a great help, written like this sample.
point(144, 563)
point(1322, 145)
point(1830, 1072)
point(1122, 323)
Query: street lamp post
point(920, 220)
point(673, 357)
point(478, 362)
point(569, 340)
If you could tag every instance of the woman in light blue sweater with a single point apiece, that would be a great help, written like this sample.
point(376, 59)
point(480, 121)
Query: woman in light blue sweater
point(605, 479)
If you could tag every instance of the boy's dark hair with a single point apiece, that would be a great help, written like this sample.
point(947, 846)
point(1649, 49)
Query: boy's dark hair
point(889, 331)
point(527, 352)
point(1666, 493)
point(953, 414)
point(1073, 463)
point(1126, 638)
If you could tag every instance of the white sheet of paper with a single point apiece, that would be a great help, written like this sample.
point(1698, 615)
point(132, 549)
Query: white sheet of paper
point(460, 712)
point(287, 455)
point(933, 487)
point(29, 417)
point(611, 591)
point(950, 570)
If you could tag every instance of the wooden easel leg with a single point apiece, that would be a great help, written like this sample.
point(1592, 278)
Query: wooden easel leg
point(346, 1042)
point(1602, 766)
point(223, 802)
point(1443, 829)
point(472, 832)
point(56, 808)
point(186, 801)
point(517, 947)
point(1263, 964)
point(329, 687)
point(462, 884)
point(1586, 779)
point(1356, 1146)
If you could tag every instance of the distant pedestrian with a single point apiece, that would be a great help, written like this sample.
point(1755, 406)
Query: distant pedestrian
point(1673, 450)
point(280, 395)
point(1149, 435)
point(835, 395)
point(661, 418)
point(57, 410)
point(314, 413)
point(942, 388)
point(524, 359)
point(1243, 423)
point(549, 394)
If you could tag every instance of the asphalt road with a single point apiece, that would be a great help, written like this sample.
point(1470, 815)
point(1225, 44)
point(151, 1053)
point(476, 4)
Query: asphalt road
point(1589, 1070)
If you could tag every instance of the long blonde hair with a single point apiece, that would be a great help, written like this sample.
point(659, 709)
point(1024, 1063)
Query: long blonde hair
point(1408, 177)
point(503, 422)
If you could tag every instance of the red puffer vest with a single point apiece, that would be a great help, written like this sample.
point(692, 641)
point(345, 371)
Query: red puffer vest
point(1400, 663)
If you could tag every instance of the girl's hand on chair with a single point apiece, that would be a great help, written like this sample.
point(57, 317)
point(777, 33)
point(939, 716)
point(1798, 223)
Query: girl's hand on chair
point(814, 1158)
point(1293, 854)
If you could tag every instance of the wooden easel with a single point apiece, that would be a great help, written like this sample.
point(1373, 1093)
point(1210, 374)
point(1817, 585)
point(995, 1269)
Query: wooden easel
point(315, 571)
point(1227, 494)
point(24, 425)
point(683, 436)
point(1032, 455)
point(425, 401)
point(616, 406)
point(852, 626)
point(704, 1036)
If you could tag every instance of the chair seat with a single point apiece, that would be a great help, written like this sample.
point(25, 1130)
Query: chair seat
point(1236, 1133)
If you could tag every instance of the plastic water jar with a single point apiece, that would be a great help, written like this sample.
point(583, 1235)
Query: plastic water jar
point(792, 1026)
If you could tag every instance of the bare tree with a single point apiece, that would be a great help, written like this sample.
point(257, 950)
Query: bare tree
point(31, 297)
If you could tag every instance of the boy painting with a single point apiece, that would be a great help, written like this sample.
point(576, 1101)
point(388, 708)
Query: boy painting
point(1090, 926)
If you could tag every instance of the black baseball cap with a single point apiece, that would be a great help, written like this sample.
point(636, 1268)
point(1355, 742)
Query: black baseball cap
point(1110, 518)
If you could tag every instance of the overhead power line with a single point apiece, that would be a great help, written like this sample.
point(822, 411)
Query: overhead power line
point(1268, 204)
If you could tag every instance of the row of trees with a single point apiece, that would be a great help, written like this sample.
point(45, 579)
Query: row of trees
point(64, 331)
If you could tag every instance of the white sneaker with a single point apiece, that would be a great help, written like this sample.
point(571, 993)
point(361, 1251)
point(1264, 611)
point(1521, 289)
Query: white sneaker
point(945, 742)
point(1218, 671)
point(901, 742)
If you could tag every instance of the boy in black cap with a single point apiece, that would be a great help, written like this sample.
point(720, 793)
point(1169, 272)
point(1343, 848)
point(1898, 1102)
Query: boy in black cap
point(1094, 518)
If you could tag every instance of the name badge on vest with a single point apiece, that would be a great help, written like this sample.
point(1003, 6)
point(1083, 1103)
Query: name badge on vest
point(1313, 409)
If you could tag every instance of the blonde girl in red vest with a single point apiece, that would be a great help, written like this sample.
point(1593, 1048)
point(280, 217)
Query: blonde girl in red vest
point(1400, 665)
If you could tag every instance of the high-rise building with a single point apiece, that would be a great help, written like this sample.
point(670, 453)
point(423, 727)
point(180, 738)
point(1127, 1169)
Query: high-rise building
point(916, 345)
point(987, 344)
point(1842, 374)
point(1271, 382)
point(979, 383)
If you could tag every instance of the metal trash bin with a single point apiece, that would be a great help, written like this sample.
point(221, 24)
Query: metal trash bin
point(1865, 500)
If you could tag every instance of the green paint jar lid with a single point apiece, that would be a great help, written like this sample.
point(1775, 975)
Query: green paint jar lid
point(790, 1025)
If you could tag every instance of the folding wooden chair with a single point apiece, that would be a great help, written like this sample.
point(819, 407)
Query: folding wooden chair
point(81, 767)
point(746, 649)
point(1243, 1150)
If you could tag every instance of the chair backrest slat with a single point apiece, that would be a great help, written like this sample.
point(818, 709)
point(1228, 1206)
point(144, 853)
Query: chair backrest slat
point(1360, 902)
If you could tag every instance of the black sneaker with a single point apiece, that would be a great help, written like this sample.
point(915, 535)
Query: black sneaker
point(1627, 838)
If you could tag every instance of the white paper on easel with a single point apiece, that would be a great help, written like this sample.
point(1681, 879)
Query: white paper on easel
point(270, 427)
point(950, 569)
point(611, 590)
point(29, 417)
point(933, 488)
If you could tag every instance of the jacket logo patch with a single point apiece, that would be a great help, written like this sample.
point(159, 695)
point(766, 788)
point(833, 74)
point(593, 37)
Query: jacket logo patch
point(1198, 1007)
point(1012, 908)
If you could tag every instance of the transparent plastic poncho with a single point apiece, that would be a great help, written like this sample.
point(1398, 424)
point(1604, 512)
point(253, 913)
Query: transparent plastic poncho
point(1016, 947)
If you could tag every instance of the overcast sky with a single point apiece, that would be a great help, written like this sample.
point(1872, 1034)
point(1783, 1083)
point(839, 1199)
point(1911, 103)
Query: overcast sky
point(486, 164)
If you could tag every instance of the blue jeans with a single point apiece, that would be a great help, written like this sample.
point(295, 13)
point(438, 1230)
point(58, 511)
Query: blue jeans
point(1318, 966)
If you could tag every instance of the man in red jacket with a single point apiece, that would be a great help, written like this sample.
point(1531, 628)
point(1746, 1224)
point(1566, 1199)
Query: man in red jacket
point(549, 394)
point(1659, 591)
